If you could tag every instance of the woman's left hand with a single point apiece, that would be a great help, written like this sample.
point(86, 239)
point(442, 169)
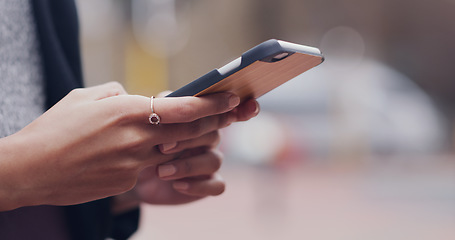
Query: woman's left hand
point(191, 177)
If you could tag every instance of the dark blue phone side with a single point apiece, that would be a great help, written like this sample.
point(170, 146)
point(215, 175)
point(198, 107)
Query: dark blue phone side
point(261, 51)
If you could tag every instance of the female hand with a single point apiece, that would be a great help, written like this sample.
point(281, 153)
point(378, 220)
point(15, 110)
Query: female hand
point(191, 176)
point(95, 142)
point(182, 180)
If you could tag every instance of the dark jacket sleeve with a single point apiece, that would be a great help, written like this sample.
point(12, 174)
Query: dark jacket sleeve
point(57, 26)
point(58, 31)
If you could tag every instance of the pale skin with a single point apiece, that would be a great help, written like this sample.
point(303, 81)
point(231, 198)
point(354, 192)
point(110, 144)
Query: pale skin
point(97, 142)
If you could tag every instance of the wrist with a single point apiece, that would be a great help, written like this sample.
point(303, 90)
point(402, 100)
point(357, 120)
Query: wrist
point(13, 188)
point(8, 196)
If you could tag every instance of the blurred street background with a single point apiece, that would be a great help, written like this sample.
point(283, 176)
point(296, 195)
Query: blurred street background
point(360, 147)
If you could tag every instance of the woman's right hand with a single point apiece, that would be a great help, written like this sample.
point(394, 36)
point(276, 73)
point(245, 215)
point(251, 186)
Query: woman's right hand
point(95, 142)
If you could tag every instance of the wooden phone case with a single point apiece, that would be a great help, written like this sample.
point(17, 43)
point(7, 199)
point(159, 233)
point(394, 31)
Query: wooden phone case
point(257, 71)
point(261, 77)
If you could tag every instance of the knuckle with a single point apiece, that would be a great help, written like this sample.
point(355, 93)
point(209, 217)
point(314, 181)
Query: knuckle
point(214, 160)
point(115, 88)
point(217, 161)
point(132, 142)
point(218, 102)
point(133, 147)
point(195, 128)
point(77, 92)
point(114, 84)
point(187, 110)
point(216, 138)
point(215, 135)
point(121, 111)
point(223, 120)
point(221, 106)
point(187, 167)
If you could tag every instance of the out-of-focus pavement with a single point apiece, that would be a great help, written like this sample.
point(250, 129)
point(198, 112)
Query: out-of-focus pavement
point(397, 199)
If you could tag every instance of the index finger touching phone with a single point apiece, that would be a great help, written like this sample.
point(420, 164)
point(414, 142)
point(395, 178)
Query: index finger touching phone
point(170, 110)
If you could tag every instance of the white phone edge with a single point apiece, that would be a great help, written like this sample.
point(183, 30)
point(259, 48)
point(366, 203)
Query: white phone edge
point(285, 45)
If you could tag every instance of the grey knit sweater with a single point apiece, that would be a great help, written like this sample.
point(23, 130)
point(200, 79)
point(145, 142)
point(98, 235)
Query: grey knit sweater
point(21, 78)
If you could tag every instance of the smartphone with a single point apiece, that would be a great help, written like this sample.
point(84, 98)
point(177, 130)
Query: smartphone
point(257, 71)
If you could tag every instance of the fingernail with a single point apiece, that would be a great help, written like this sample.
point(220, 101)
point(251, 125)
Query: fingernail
point(181, 185)
point(166, 147)
point(254, 107)
point(234, 101)
point(166, 170)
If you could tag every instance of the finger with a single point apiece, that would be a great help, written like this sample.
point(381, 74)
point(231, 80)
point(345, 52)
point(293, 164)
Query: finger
point(209, 140)
point(202, 164)
point(247, 110)
point(201, 188)
point(170, 133)
point(172, 110)
point(188, 109)
point(195, 129)
point(102, 91)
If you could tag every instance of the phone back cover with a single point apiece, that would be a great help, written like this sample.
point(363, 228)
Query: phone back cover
point(256, 74)
point(260, 77)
